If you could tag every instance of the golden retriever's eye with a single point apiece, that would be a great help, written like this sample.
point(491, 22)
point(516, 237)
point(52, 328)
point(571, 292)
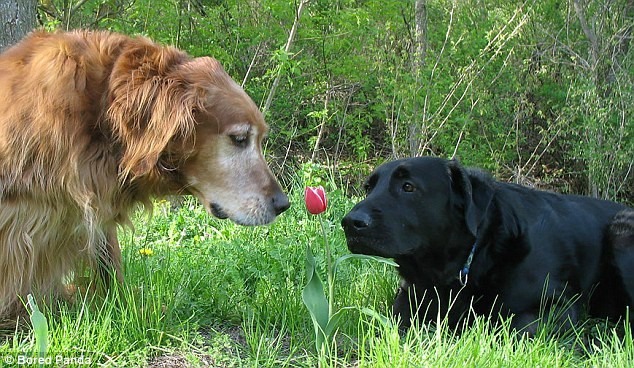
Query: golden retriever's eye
point(408, 187)
point(239, 140)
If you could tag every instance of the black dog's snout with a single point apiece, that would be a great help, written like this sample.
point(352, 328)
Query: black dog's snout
point(356, 220)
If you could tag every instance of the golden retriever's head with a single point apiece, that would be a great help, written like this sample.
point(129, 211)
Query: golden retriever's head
point(187, 121)
point(227, 170)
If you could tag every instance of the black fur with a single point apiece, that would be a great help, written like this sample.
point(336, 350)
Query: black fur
point(532, 248)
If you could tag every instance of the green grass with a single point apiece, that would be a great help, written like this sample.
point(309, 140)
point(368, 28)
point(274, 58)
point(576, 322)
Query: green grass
point(216, 294)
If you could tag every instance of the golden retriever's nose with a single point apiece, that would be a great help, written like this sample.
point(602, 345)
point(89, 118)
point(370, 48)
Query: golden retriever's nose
point(280, 202)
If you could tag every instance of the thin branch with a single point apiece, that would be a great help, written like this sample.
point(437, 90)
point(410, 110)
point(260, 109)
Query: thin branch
point(255, 55)
point(77, 5)
point(287, 49)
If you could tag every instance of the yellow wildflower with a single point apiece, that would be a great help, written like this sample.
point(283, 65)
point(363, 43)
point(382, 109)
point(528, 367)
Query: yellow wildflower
point(146, 252)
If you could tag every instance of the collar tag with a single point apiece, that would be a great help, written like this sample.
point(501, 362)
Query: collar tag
point(463, 274)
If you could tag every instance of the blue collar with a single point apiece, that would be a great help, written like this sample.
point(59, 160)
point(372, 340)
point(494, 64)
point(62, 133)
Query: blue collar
point(463, 275)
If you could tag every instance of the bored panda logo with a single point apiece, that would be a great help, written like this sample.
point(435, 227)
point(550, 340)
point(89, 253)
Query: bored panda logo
point(26, 359)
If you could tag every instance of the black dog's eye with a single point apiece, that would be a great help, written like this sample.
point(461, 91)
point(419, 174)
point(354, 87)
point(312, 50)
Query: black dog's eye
point(369, 184)
point(366, 188)
point(408, 187)
point(239, 140)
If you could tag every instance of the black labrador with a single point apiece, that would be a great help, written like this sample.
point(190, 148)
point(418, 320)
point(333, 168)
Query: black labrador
point(463, 240)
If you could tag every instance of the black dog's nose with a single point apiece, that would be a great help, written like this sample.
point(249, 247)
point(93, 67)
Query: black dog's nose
point(357, 220)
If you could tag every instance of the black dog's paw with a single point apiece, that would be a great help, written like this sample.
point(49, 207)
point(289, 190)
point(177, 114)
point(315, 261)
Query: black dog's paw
point(402, 309)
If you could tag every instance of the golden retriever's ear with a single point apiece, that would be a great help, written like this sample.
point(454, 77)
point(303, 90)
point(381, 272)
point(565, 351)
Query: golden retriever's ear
point(149, 104)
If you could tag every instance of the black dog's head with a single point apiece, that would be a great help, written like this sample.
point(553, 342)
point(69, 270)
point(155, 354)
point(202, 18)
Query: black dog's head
point(413, 205)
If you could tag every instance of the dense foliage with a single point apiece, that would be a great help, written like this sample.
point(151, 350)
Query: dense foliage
point(539, 92)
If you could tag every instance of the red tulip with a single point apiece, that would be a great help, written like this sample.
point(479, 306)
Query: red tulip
point(315, 198)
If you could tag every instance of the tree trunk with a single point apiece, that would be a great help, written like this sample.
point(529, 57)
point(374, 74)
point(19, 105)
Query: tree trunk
point(418, 64)
point(421, 34)
point(17, 18)
point(606, 52)
point(593, 57)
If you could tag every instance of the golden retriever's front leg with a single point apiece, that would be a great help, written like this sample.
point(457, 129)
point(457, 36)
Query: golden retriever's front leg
point(110, 263)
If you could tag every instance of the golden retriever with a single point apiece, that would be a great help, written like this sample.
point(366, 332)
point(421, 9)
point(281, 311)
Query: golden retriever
point(93, 123)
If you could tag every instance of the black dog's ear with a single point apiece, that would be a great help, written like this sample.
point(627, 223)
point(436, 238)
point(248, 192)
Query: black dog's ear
point(475, 190)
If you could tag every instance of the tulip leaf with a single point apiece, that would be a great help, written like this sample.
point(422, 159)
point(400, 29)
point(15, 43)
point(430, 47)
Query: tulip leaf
point(315, 300)
point(40, 326)
point(385, 321)
point(335, 320)
point(363, 256)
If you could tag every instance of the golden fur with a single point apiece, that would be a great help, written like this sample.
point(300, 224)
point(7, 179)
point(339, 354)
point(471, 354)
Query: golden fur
point(92, 123)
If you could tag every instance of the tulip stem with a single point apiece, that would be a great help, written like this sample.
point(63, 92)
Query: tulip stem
point(330, 271)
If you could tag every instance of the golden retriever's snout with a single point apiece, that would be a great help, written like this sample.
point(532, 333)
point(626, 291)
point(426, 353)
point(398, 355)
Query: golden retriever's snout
point(247, 207)
point(257, 212)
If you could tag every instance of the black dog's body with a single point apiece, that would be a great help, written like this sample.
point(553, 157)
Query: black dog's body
point(530, 247)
